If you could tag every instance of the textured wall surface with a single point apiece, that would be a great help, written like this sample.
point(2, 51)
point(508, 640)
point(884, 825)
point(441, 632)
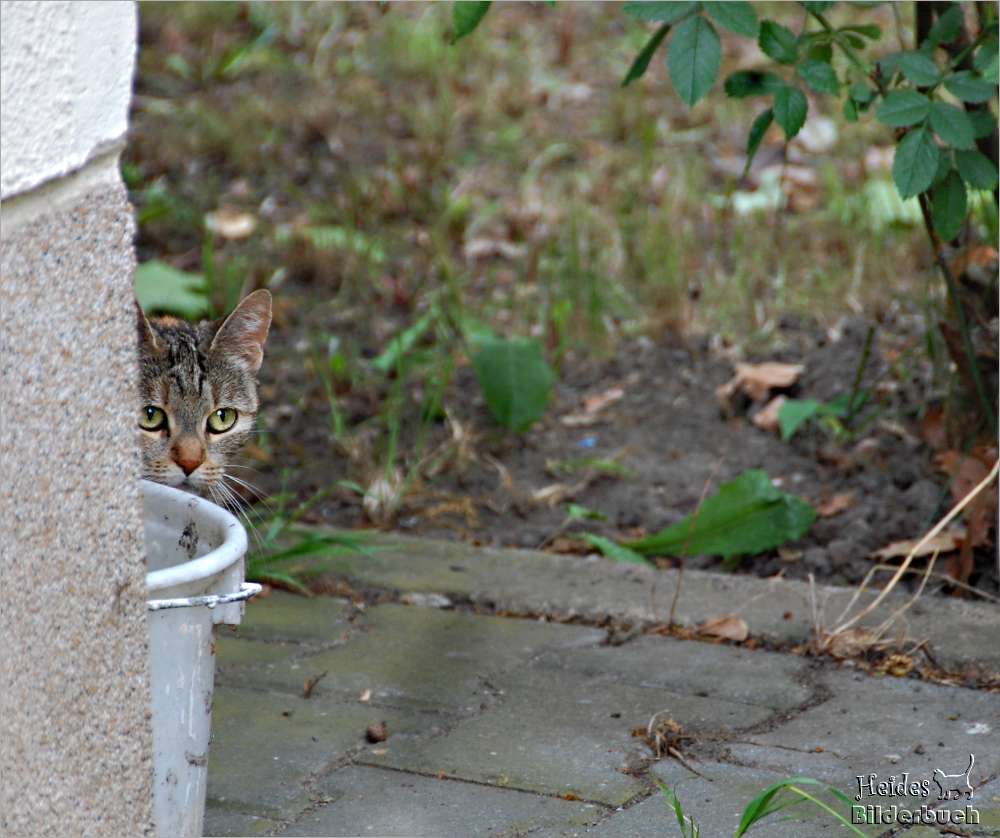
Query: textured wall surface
point(75, 741)
point(66, 80)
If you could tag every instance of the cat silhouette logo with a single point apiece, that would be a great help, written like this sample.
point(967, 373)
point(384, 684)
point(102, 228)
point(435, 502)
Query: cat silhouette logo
point(953, 786)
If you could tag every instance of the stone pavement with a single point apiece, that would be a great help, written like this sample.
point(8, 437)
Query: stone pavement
point(504, 719)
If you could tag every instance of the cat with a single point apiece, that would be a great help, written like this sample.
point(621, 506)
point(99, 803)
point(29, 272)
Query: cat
point(954, 790)
point(198, 395)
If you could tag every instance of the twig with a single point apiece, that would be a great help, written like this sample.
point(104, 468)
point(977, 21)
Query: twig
point(858, 375)
point(310, 684)
point(958, 507)
point(687, 542)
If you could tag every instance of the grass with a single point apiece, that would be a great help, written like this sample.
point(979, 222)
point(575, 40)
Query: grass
point(778, 797)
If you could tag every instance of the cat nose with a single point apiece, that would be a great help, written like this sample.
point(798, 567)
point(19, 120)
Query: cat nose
point(188, 454)
point(187, 466)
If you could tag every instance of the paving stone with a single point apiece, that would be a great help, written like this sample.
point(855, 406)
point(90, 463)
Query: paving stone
point(886, 727)
point(715, 804)
point(265, 746)
point(535, 582)
point(760, 678)
point(558, 731)
point(219, 822)
point(284, 616)
point(370, 801)
point(416, 657)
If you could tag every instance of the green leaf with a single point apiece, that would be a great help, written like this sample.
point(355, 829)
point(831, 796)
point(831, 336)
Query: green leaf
point(919, 68)
point(949, 206)
point(576, 512)
point(967, 87)
point(850, 110)
point(820, 76)
point(952, 125)
point(693, 57)
point(817, 8)
point(946, 27)
point(901, 108)
point(794, 413)
point(945, 164)
point(659, 12)
point(861, 93)
point(915, 163)
point(757, 131)
point(160, 288)
point(983, 123)
point(745, 83)
point(746, 516)
point(870, 31)
point(402, 345)
point(888, 65)
point(466, 16)
point(820, 52)
point(778, 42)
point(790, 108)
point(976, 169)
point(986, 59)
point(641, 63)
point(612, 550)
point(515, 379)
point(735, 15)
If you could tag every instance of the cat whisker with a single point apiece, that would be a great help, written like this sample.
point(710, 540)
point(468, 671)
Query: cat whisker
point(233, 501)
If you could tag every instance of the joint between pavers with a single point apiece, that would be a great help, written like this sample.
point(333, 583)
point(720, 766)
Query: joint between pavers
point(445, 777)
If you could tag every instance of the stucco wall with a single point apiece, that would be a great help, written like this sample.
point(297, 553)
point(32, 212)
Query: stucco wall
point(66, 81)
point(75, 742)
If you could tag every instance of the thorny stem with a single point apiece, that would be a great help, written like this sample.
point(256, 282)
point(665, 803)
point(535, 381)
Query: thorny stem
point(963, 323)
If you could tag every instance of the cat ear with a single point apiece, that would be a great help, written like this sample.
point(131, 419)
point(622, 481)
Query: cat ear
point(147, 337)
point(243, 334)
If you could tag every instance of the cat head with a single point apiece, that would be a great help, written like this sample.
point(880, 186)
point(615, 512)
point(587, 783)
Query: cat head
point(198, 393)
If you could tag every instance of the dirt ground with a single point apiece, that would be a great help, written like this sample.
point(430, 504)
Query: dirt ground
point(667, 434)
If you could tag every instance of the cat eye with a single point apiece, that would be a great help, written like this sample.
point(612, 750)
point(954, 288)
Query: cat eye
point(221, 420)
point(152, 418)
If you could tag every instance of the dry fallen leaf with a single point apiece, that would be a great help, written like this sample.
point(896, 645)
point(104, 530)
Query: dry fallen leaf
point(933, 430)
point(767, 417)
point(728, 627)
point(592, 406)
point(231, 223)
point(757, 380)
point(840, 502)
point(943, 542)
point(966, 472)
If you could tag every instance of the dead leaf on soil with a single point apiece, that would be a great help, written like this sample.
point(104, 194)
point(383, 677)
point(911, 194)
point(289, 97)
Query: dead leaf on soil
point(593, 404)
point(767, 417)
point(933, 430)
point(757, 380)
point(943, 542)
point(556, 493)
point(231, 223)
point(728, 627)
point(840, 502)
point(965, 473)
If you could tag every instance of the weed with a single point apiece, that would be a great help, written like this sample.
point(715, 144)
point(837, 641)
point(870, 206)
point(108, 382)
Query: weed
point(775, 798)
point(286, 555)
